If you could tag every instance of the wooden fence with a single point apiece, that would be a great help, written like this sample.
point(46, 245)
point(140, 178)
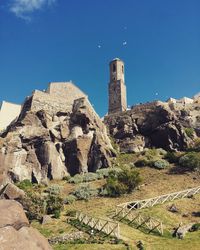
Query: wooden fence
point(140, 221)
point(101, 225)
point(125, 208)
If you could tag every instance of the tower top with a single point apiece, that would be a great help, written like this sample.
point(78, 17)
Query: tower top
point(116, 59)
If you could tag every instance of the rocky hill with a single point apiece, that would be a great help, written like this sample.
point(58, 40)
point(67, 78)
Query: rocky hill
point(51, 143)
point(58, 133)
point(157, 124)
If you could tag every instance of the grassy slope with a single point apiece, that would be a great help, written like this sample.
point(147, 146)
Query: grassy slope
point(155, 183)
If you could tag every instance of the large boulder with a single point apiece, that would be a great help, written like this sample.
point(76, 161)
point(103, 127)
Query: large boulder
point(15, 231)
point(11, 192)
point(43, 145)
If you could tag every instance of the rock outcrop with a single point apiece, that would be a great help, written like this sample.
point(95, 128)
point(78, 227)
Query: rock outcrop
point(45, 144)
point(11, 192)
point(156, 124)
point(15, 231)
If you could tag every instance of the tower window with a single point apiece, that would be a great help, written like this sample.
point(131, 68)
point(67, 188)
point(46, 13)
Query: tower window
point(122, 69)
point(114, 68)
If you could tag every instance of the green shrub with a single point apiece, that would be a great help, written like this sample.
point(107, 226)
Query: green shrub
point(54, 205)
point(54, 190)
point(172, 157)
point(197, 144)
point(190, 161)
point(160, 164)
point(24, 185)
point(195, 227)
point(189, 132)
point(122, 182)
point(85, 192)
point(70, 199)
point(66, 178)
point(102, 173)
point(71, 213)
point(76, 179)
point(161, 151)
point(151, 154)
point(34, 206)
point(87, 177)
point(141, 163)
point(57, 214)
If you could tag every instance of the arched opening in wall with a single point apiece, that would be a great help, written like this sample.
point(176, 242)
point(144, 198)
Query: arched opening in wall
point(122, 68)
point(114, 68)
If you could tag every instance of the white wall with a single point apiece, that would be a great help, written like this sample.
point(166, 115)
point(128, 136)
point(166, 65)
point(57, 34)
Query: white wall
point(8, 112)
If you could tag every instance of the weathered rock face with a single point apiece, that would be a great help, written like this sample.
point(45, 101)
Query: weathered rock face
point(41, 145)
point(155, 124)
point(15, 230)
point(11, 192)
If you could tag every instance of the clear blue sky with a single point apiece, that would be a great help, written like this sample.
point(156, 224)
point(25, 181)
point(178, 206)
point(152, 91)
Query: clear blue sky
point(61, 40)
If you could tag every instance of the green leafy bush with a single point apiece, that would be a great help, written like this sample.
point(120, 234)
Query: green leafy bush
point(195, 227)
point(172, 157)
point(71, 213)
point(34, 206)
point(152, 154)
point(87, 177)
point(70, 199)
point(54, 190)
point(76, 179)
point(161, 151)
point(24, 185)
point(102, 173)
point(122, 182)
point(190, 161)
point(189, 132)
point(57, 213)
point(54, 205)
point(66, 178)
point(160, 164)
point(85, 192)
point(141, 163)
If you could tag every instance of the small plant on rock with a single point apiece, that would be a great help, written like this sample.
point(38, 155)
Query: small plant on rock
point(189, 132)
point(24, 185)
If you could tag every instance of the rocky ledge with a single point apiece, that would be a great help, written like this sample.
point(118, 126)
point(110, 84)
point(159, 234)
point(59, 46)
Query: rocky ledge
point(158, 124)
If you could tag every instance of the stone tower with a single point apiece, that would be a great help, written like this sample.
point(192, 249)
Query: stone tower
point(117, 87)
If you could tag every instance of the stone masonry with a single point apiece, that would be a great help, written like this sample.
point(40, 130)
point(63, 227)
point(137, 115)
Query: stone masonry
point(117, 87)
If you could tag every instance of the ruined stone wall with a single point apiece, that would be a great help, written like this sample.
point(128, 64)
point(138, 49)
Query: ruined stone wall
point(65, 90)
point(52, 104)
point(58, 97)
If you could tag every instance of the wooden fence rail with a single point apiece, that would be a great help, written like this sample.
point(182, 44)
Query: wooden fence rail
point(126, 208)
point(143, 221)
point(101, 225)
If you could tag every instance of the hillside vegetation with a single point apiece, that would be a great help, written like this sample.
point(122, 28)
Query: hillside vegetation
point(88, 194)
